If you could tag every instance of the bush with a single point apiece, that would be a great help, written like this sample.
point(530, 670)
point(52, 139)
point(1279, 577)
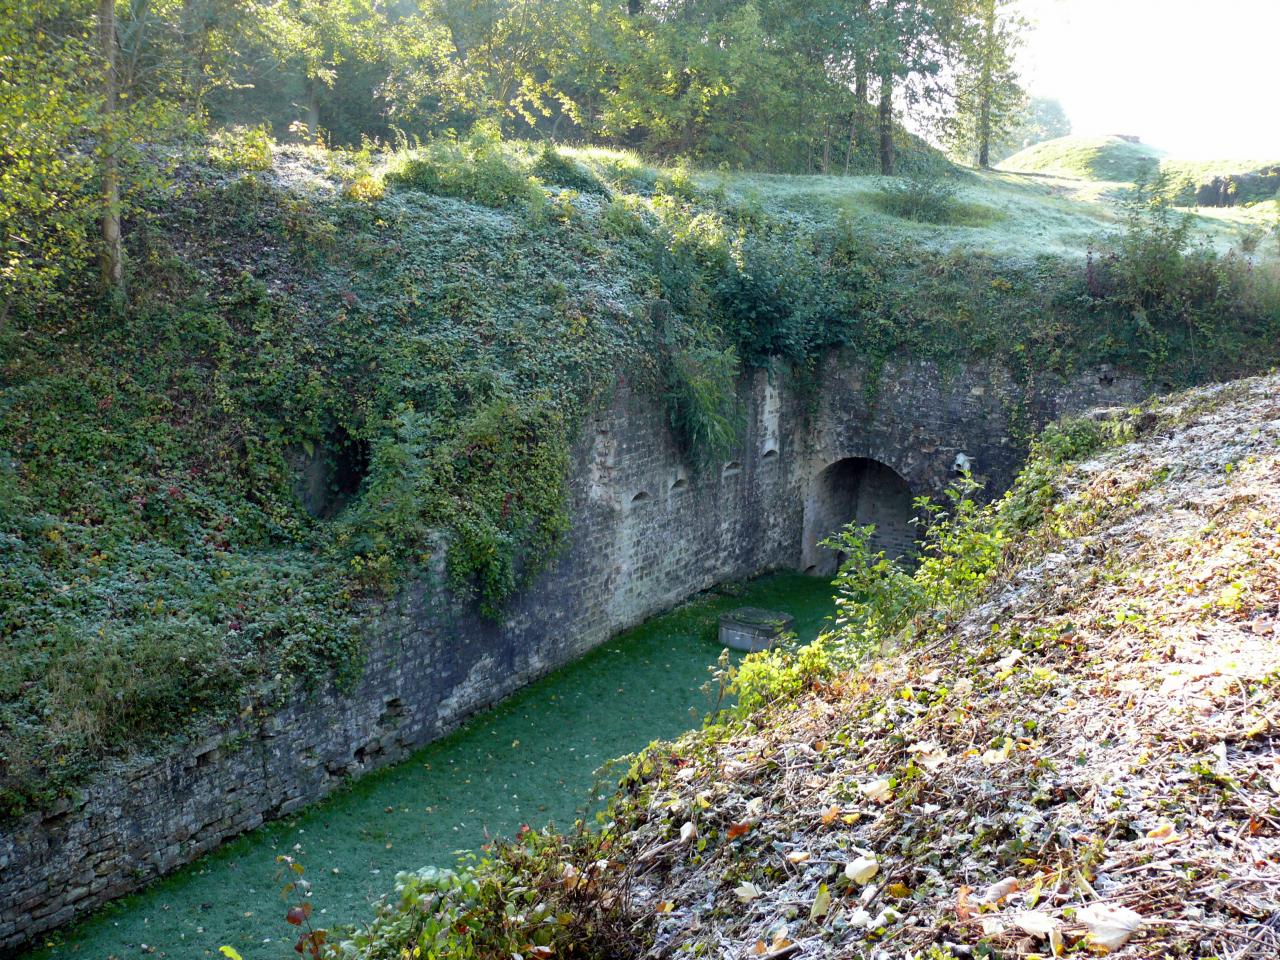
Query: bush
point(878, 601)
point(242, 148)
point(555, 168)
point(1177, 303)
point(476, 169)
point(925, 200)
point(558, 906)
point(702, 400)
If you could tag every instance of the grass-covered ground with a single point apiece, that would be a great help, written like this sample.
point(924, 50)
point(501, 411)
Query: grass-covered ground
point(531, 760)
point(1057, 737)
point(1087, 158)
point(1235, 200)
point(420, 331)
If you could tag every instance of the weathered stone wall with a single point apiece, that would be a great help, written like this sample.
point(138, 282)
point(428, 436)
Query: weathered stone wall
point(647, 531)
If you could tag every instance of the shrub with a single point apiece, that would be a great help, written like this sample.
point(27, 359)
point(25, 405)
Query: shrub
point(925, 200)
point(476, 169)
point(701, 399)
point(242, 148)
point(878, 601)
point(1176, 304)
point(555, 168)
point(560, 907)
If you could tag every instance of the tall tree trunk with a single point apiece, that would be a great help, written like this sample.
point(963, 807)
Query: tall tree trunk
point(985, 91)
point(112, 254)
point(886, 124)
point(313, 109)
point(826, 151)
point(853, 139)
point(861, 89)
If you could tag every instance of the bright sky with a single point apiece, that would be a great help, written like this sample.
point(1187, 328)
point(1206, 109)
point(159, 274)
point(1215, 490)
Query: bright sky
point(1194, 77)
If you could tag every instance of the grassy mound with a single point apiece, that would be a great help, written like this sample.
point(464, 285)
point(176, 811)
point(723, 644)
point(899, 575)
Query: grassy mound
point(1058, 734)
point(336, 372)
point(1087, 158)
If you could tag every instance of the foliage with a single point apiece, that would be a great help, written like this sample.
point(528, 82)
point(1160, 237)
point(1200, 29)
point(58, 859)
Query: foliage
point(928, 200)
point(1176, 299)
point(781, 673)
point(475, 169)
point(554, 168)
point(1040, 119)
point(701, 395)
point(879, 600)
point(989, 99)
point(46, 187)
point(479, 913)
point(247, 149)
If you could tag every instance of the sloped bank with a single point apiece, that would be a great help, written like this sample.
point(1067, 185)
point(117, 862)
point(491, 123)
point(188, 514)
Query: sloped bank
point(1079, 756)
point(647, 531)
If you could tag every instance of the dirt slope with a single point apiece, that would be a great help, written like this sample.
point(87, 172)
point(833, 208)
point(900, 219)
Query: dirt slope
point(1087, 760)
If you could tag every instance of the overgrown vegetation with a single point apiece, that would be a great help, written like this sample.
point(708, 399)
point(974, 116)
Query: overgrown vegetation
point(921, 796)
point(422, 348)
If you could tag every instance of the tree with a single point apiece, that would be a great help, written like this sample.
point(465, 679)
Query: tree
point(1040, 119)
point(989, 100)
point(47, 198)
point(112, 254)
point(908, 44)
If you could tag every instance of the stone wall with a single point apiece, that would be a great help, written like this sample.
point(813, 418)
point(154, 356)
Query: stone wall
point(647, 531)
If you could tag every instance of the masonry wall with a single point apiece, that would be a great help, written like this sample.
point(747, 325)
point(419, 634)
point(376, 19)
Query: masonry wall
point(647, 532)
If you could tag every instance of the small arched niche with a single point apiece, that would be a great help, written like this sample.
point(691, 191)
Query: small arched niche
point(731, 469)
point(641, 498)
point(770, 454)
point(678, 486)
point(860, 491)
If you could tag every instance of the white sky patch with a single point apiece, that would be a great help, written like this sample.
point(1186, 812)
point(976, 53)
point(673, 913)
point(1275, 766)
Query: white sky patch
point(1194, 77)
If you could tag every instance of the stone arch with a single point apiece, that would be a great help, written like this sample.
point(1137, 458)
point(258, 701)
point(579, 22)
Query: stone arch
point(863, 491)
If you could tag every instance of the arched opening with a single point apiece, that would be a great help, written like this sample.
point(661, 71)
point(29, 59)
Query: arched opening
point(861, 491)
point(327, 476)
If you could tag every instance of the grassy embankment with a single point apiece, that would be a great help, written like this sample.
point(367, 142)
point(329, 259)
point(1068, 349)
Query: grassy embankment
point(1092, 168)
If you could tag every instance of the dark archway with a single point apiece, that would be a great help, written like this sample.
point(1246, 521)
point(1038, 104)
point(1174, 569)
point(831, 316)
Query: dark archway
point(862, 491)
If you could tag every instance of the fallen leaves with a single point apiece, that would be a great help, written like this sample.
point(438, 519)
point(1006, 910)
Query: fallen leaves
point(999, 890)
point(877, 791)
point(821, 903)
point(1110, 927)
point(861, 870)
point(1041, 925)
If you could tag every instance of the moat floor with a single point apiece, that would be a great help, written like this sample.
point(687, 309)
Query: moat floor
point(532, 759)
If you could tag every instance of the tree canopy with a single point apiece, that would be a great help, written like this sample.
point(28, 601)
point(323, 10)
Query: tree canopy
point(772, 85)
